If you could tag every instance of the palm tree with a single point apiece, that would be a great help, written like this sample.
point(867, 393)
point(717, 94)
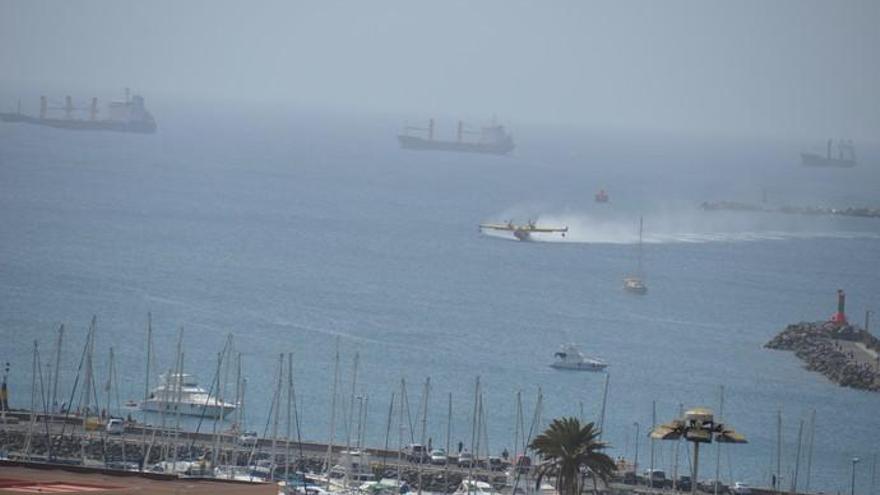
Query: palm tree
point(569, 448)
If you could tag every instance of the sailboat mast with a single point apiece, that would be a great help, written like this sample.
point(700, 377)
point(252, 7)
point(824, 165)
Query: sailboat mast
point(778, 484)
point(178, 391)
point(810, 450)
point(470, 480)
point(90, 341)
point(350, 423)
point(109, 384)
point(400, 431)
point(327, 464)
point(54, 403)
point(653, 425)
point(641, 225)
point(388, 428)
point(426, 395)
point(516, 424)
point(797, 458)
point(448, 440)
point(277, 407)
point(718, 445)
point(289, 407)
point(604, 401)
point(364, 406)
point(146, 390)
point(33, 417)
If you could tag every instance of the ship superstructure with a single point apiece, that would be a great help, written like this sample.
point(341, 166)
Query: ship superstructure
point(127, 115)
point(846, 155)
point(180, 392)
point(493, 139)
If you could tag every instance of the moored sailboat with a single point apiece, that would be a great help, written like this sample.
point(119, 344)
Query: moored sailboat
point(634, 283)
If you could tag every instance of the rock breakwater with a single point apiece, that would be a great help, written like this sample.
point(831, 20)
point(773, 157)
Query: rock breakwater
point(829, 349)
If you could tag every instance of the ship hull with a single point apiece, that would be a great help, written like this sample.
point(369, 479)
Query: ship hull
point(144, 127)
point(814, 160)
point(422, 144)
point(212, 411)
point(579, 366)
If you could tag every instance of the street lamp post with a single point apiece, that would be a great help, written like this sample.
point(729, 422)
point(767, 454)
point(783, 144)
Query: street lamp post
point(852, 484)
point(636, 459)
point(697, 426)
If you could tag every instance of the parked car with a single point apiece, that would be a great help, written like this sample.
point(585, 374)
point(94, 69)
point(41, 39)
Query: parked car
point(708, 486)
point(465, 459)
point(655, 477)
point(740, 488)
point(415, 452)
point(248, 438)
point(438, 456)
point(684, 484)
point(115, 426)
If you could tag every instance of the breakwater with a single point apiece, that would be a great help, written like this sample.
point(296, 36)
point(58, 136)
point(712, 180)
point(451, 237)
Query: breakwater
point(845, 354)
point(850, 211)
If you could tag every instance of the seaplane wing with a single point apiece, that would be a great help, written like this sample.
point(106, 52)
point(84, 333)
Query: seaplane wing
point(547, 229)
point(498, 226)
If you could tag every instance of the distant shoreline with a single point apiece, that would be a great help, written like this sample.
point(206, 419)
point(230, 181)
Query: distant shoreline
point(851, 211)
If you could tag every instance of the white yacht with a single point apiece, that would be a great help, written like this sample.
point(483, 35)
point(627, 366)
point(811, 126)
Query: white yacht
point(182, 389)
point(569, 357)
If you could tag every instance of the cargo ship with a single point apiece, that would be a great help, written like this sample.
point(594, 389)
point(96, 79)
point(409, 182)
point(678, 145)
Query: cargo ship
point(846, 156)
point(128, 115)
point(492, 139)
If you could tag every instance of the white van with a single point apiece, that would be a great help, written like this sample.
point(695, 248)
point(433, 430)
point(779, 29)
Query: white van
point(115, 426)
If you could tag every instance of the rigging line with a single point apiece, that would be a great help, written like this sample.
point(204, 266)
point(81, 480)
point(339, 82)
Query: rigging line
point(45, 396)
point(82, 359)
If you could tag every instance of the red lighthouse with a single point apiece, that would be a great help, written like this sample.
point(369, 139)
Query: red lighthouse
point(839, 318)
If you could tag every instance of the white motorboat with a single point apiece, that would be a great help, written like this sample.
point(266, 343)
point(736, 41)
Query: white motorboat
point(570, 357)
point(180, 391)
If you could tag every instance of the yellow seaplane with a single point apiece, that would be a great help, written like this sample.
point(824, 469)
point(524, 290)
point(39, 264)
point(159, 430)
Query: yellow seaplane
point(523, 232)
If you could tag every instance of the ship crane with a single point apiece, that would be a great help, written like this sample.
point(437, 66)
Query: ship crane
point(429, 129)
point(69, 108)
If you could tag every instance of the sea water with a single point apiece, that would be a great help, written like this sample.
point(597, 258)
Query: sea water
point(300, 231)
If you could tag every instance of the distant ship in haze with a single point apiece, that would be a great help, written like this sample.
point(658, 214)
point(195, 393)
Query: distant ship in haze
point(493, 139)
point(128, 115)
point(846, 156)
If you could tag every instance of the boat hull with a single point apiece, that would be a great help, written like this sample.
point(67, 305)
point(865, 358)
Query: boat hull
point(213, 411)
point(814, 160)
point(422, 144)
point(635, 286)
point(579, 366)
point(140, 127)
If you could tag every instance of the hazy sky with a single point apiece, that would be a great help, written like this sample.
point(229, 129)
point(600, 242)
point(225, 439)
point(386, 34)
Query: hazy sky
point(786, 68)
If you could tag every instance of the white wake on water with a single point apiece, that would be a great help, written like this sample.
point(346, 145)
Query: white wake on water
point(676, 228)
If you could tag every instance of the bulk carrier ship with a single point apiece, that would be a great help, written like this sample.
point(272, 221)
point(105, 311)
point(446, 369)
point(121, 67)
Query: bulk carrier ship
point(491, 139)
point(128, 115)
point(846, 156)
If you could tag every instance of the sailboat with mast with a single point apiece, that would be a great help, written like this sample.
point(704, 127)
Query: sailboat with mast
point(634, 283)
